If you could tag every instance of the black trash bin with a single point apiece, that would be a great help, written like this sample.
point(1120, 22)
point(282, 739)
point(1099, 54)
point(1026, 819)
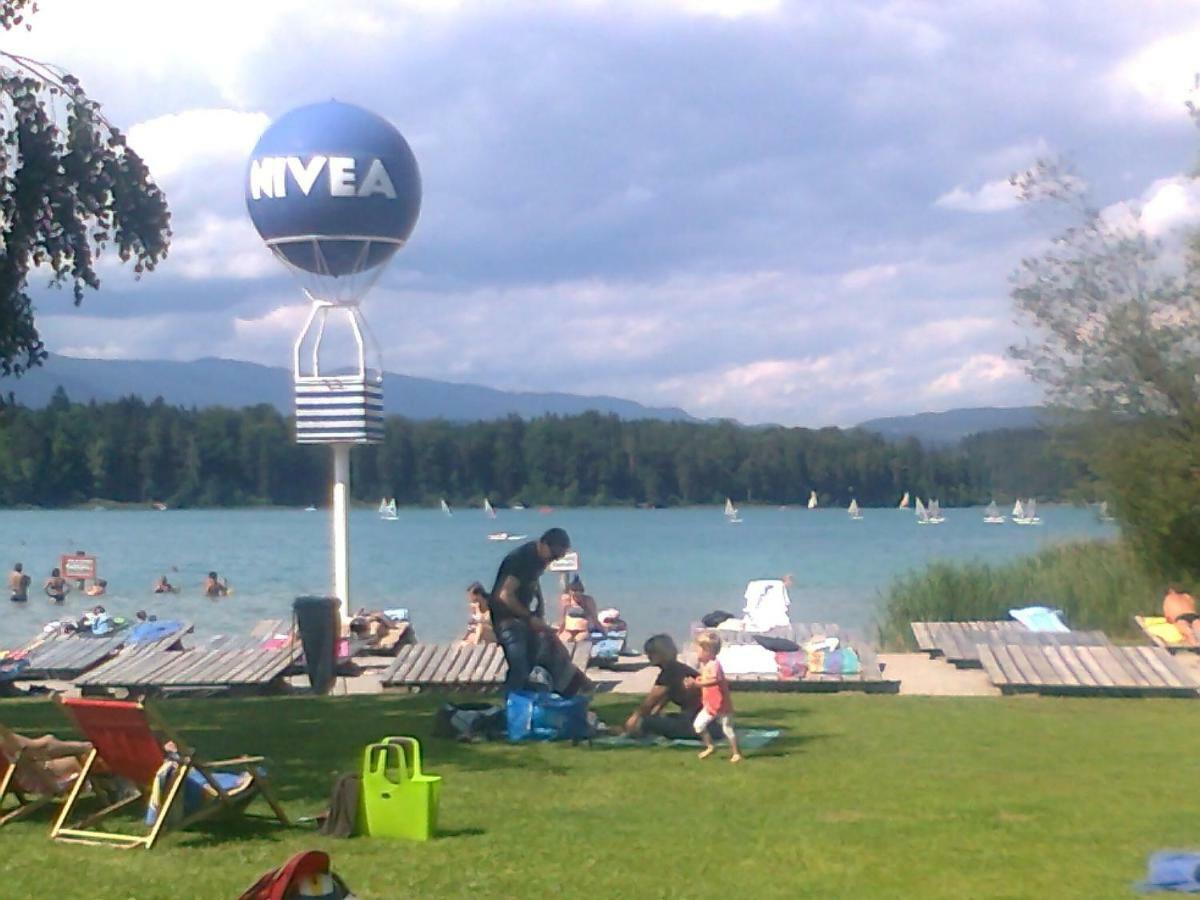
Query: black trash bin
point(318, 620)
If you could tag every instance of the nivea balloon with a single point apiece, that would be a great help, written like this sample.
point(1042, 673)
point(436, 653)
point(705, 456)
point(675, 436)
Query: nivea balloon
point(333, 188)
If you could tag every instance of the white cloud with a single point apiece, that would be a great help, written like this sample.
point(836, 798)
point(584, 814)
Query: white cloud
point(1170, 204)
point(215, 247)
point(1161, 77)
point(859, 279)
point(179, 142)
point(994, 196)
point(983, 370)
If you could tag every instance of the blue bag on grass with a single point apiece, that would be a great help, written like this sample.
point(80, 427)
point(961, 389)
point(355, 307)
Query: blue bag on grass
point(546, 717)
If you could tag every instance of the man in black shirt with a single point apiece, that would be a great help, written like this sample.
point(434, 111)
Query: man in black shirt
point(676, 684)
point(517, 610)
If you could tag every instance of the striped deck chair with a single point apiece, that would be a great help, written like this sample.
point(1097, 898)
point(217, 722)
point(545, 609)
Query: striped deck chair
point(135, 744)
point(26, 780)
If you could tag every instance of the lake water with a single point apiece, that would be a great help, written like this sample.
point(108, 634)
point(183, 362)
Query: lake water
point(663, 568)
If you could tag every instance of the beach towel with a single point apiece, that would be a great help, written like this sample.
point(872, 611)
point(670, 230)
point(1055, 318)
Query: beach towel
point(767, 605)
point(1165, 631)
point(747, 659)
point(1172, 870)
point(748, 739)
point(196, 789)
point(791, 666)
point(148, 632)
point(1040, 618)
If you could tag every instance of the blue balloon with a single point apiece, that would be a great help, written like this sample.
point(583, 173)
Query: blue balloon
point(340, 179)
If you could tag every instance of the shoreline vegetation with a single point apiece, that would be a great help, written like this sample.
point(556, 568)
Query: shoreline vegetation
point(1097, 584)
point(133, 452)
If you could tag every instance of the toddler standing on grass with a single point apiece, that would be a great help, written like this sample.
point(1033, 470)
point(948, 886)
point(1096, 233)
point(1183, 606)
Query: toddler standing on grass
point(714, 694)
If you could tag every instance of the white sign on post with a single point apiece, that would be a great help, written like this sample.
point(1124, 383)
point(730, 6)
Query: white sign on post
point(569, 563)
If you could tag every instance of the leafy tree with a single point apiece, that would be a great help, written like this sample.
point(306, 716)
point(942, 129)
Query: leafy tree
point(1118, 344)
point(69, 188)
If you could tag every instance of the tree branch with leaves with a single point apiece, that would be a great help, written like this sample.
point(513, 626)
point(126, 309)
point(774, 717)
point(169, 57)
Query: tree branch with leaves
point(70, 189)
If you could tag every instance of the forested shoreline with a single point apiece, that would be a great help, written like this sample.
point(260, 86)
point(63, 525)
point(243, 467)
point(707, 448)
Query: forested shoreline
point(130, 451)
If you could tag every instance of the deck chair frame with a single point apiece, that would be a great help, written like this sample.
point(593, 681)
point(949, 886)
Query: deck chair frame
point(80, 832)
point(27, 782)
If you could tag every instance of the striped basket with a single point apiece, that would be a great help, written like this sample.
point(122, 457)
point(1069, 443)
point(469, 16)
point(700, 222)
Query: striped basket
point(339, 410)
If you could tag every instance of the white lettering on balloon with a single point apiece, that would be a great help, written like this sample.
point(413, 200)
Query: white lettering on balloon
point(269, 177)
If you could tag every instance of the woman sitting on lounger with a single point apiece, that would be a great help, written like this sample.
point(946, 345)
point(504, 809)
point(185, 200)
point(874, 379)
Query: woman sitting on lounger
point(62, 759)
point(479, 623)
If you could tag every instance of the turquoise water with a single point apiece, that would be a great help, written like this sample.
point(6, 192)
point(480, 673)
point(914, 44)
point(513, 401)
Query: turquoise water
point(663, 568)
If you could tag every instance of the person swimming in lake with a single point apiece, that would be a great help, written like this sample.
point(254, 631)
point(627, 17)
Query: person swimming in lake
point(215, 587)
point(56, 587)
point(99, 589)
point(165, 587)
point(18, 584)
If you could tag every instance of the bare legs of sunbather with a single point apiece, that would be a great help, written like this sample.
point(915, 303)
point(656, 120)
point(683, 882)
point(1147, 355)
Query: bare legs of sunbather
point(60, 758)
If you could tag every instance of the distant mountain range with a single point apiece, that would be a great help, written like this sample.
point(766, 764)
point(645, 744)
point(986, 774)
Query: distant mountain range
point(953, 425)
point(227, 382)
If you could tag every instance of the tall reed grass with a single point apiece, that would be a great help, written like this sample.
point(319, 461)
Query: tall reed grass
point(1097, 584)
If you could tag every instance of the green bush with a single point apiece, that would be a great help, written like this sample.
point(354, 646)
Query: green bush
point(1097, 584)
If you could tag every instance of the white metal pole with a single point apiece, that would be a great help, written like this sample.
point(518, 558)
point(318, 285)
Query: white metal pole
point(341, 527)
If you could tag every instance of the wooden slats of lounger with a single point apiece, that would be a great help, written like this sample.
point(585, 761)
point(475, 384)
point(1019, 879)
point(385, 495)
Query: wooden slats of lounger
point(957, 642)
point(1064, 668)
point(457, 666)
point(238, 664)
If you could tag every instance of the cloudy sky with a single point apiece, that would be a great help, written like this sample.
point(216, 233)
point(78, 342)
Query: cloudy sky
point(774, 211)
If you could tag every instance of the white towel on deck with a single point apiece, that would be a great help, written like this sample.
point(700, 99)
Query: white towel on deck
point(767, 605)
point(747, 659)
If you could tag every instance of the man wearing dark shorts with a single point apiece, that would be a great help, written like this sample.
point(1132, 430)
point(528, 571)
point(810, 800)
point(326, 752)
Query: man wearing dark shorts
point(517, 611)
point(676, 685)
point(18, 584)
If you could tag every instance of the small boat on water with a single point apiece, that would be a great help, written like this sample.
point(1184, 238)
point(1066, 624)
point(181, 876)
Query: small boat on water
point(1103, 514)
point(487, 508)
point(446, 507)
point(732, 514)
point(992, 515)
point(1026, 514)
point(930, 515)
point(812, 499)
point(387, 509)
point(161, 507)
point(903, 501)
point(310, 509)
point(935, 513)
point(852, 509)
point(505, 536)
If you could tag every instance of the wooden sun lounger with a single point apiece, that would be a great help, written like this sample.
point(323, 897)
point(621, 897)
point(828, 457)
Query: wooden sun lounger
point(1176, 647)
point(1088, 670)
point(870, 679)
point(224, 665)
point(69, 655)
point(459, 666)
point(958, 642)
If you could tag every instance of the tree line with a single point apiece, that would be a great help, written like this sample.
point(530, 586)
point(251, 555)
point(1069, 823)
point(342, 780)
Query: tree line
point(136, 452)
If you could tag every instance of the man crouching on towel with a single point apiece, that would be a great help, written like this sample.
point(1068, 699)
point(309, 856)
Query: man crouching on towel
point(517, 610)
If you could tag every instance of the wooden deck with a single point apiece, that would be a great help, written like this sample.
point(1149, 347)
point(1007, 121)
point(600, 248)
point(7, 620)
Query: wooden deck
point(68, 656)
point(235, 664)
point(870, 679)
point(1082, 669)
point(958, 642)
point(459, 666)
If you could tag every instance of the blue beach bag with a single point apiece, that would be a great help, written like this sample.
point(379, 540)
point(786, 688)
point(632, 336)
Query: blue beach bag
point(545, 716)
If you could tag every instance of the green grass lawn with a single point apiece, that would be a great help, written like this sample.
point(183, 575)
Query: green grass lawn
point(864, 796)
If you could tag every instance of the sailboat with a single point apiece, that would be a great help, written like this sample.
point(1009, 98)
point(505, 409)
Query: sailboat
point(853, 510)
point(387, 509)
point(732, 515)
point(935, 513)
point(487, 508)
point(903, 501)
point(812, 499)
point(1103, 514)
point(446, 507)
point(922, 513)
point(992, 515)
point(1028, 513)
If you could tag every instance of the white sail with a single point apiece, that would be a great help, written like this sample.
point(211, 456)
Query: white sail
point(1103, 514)
point(853, 510)
point(446, 507)
point(903, 501)
point(1031, 512)
point(730, 509)
point(487, 508)
point(935, 513)
point(383, 506)
point(992, 514)
point(922, 514)
point(387, 509)
point(1018, 510)
point(812, 499)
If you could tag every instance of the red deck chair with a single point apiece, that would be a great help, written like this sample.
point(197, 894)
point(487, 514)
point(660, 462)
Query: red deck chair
point(131, 741)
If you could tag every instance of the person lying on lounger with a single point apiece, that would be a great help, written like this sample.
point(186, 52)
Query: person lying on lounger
point(1179, 608)
point(60, 758)
point(675, 685)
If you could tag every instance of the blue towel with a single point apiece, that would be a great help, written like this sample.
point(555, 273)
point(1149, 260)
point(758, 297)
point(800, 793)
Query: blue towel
point(1173, 870)
point(148, 632)
point(1039, 618)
